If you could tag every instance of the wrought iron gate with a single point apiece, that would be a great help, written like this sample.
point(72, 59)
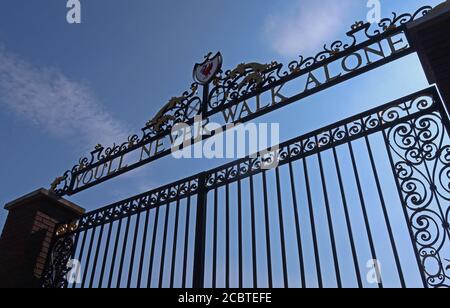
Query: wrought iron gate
point(375, 187)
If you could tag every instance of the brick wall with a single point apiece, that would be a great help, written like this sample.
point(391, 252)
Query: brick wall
point(27, 235)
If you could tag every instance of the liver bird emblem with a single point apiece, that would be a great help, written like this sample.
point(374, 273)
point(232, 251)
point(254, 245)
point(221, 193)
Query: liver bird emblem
point(204, 72)
point(207, 69)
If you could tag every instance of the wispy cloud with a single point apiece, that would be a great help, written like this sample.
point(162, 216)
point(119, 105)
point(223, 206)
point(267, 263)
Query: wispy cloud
point(53, 102)
point(305, 26)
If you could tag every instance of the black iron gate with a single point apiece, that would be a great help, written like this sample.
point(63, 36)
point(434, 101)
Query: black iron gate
point(361, 203)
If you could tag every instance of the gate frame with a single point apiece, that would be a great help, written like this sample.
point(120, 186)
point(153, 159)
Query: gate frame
point(419, 34)
point(379, 119)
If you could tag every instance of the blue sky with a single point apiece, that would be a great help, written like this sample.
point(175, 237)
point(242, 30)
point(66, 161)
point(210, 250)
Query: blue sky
point(64, 88)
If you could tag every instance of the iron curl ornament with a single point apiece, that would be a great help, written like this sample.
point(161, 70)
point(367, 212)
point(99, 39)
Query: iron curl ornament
point(55, 276)
point(135, 205)
point(421, 155)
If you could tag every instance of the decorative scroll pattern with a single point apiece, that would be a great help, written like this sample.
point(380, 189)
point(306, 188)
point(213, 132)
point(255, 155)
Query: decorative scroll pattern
point(418, 140)
point(422, 163)
point(55, 275)
point(320, 140)
point(245, 80)
point(249, 79)
point(351, 129)
point(179, 110)
point(133, 206)
point(67, 228)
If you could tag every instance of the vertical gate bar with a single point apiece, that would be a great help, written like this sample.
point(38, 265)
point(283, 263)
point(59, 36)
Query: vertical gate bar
point(297, 225)
point(363, 206)
point(124, 250)
point(347, 219)
point(80, 255)
point(281, 222)
point(313, 224)
point(143, 248)
point(97, 251)
point(152, 251)
point(186, 241)
point(133, 249)
point(330, 221)
point(227, 232)
point(88, 258)
point(175, 243)
point(405, 212)
point(198, 279)
point(385, 213)
point(200, 236)
point(105, 256)
point(204, 107)
point(116, 247)
point(72, 255)
point(214, 278)
point(267, 223)
point(241, 271)
point(163, 249)
point(254, 259)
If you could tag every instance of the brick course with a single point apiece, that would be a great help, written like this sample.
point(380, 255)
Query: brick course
point(27, 236)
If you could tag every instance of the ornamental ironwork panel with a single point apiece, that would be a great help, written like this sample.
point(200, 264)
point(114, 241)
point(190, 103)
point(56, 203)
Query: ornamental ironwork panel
point(421, 158)
point(373, 187)
point(58, 265)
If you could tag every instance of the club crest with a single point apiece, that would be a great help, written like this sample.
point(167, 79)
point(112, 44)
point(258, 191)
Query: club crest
point(205, 72)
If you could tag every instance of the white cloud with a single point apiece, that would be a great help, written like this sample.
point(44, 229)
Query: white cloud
point(51, 101)
point(306, 26)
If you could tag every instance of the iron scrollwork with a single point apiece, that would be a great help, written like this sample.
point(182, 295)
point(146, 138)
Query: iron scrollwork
point(135, 205)
point(417, 137)
point(178, 110)
point(55, 275)
point(325, 138)
point(421, 152)
point(247, 80)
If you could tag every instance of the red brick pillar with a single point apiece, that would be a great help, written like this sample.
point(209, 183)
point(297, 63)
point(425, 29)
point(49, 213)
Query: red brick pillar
point(27, 234)
point(430, 36)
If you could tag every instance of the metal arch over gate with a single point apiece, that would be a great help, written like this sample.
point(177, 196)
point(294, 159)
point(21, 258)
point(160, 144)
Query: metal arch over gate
point(240, 225)
point(248, 85)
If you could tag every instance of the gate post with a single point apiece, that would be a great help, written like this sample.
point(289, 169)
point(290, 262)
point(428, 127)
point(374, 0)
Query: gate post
point(430, 36)
point(27, 234)
point(200, 235)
